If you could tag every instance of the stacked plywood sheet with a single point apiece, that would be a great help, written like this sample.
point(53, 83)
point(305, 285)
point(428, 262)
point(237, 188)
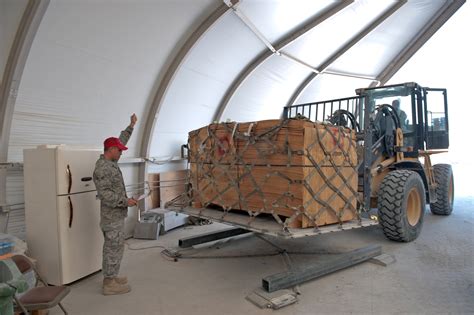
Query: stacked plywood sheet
point(303, 173)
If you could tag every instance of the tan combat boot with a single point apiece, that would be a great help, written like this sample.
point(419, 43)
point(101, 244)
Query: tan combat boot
point(121, 280)
point(112, 287)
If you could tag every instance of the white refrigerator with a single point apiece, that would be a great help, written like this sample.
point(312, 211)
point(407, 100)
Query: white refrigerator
point(62, 212)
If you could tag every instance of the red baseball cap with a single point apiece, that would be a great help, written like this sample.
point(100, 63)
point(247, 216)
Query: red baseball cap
point(114, 142)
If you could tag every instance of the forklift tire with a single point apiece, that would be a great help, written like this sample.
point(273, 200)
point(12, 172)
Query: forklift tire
point(401, 205)
point(443, 175)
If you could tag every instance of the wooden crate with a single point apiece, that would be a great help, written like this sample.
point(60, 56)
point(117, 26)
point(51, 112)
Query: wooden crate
point(153, 201)
point(215, 184)
point(278, 167)
point(262, 143)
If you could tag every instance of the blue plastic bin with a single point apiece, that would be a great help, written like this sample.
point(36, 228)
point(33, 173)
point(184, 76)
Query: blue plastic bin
point(6, 247)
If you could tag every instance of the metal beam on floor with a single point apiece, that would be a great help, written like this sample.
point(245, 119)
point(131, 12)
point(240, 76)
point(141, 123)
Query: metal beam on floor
point(209, 237)
point(309, 272)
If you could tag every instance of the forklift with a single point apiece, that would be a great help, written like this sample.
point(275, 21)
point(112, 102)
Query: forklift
point(398, 128)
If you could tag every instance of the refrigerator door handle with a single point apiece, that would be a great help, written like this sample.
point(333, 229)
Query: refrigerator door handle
point(69, 174)
point(71, 211)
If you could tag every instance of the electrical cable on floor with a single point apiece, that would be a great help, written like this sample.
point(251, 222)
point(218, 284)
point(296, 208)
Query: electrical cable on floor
point(289, 264)
point(320, 252)
point(130, 247)
point(166, 257)
point(169, 253)
point(176, 255)
point(179, 255)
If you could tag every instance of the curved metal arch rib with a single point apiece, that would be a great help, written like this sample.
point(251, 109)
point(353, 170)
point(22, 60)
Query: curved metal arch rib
point(344, 49)
point(170, 73)
point(278, 46)
point(27, 28)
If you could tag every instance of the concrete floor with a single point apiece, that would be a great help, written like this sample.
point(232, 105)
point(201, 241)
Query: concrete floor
point(432, 275)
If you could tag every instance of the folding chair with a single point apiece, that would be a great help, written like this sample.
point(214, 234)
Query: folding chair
point(39, 297)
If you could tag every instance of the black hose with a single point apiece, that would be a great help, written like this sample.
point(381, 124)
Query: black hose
point(389, 110)
point(339, 114)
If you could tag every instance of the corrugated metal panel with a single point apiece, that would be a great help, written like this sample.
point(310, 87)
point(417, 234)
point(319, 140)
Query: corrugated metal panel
point(16, 223)
point(15, 219)
point(91, 65)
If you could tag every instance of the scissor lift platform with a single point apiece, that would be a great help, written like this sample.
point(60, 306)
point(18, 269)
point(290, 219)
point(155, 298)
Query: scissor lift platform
point(268, 226)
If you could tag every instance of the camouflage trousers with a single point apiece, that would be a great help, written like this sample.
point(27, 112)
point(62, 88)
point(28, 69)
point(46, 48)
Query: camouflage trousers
point(114, 243)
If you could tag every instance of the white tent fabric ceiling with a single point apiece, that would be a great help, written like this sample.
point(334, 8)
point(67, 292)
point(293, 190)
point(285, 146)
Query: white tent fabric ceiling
point(94, 62)
point(231, 44)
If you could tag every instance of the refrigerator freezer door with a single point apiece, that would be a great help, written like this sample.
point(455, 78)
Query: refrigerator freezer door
point(81, 243)
point(74, 169)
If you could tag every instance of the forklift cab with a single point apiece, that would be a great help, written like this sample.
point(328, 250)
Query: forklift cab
point(422, 113)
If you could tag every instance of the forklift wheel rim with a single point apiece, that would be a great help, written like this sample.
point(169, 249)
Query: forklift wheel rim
point(450, 190)
point(413, 206)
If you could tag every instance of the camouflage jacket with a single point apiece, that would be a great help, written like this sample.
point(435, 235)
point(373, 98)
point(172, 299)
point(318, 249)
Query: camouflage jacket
point(111, 188)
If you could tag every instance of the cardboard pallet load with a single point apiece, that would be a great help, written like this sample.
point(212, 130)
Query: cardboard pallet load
point(300, 172)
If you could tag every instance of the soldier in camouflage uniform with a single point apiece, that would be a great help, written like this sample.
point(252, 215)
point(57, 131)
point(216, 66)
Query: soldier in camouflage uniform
point(114, 205)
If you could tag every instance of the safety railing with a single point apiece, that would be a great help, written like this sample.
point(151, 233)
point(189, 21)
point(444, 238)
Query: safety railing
point(323, 111)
